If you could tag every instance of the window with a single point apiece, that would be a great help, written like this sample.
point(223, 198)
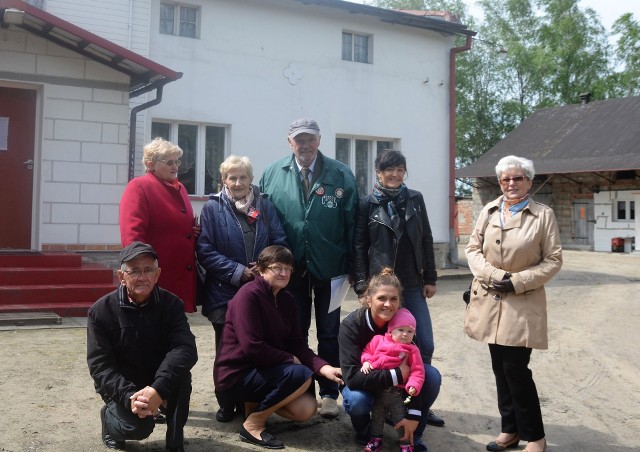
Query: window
point(624, 211)
point(178, 20)
point(358, 153)
point(204, 150)
point(356, 47)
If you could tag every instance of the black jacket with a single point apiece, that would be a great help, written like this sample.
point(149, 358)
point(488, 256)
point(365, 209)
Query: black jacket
point(375, 244)
point(131, 347)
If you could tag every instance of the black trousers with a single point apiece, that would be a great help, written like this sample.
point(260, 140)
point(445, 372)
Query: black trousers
point(122, 424)
point(517, 394)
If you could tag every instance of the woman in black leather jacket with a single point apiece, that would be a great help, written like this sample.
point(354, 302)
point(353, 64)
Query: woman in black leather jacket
point(392, 230)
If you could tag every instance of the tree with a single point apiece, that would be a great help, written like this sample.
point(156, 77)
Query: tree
point(627, 53)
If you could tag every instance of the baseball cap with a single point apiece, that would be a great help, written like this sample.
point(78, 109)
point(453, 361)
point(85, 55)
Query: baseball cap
point(303, 125)
point(135, 249)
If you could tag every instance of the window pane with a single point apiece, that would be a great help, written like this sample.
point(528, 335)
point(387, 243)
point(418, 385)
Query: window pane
point(188, 140)
point(342, 150)
point(362, 166)
point(214, 156)
point(161, 130)
point(632, 210)
point(188, 22)
point(167, 14)
point(361, 49)
point(347, 45)
point(622, 210)
point(382, 145)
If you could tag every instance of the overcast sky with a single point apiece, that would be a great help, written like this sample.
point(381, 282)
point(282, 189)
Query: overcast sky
point(609, 10)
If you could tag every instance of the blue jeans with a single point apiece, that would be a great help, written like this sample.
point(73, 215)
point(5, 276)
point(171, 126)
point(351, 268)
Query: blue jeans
point(413, 300)
point(358, 404)
point(309, 291)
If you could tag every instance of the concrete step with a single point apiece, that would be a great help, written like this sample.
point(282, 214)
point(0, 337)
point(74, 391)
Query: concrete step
point(87, 274)
point(62, 309)
point(53, 293)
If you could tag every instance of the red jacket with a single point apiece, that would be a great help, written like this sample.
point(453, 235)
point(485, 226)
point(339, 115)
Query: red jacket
point(157, 213)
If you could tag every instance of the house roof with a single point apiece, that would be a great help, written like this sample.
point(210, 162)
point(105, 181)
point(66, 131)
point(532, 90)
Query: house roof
point(432, 21)
point(589, 137)
point(142, 71)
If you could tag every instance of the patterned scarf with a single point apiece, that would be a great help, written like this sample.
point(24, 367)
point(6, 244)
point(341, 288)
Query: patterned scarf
point(394, 198)
point(511, 207)
point(245, 205)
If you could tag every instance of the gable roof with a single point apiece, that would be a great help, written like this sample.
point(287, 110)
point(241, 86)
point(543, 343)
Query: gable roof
point(143, 72)
point(590, 137)
point(425, 19)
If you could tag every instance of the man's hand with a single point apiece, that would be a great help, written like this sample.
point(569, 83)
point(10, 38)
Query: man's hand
point(409, 427)
point(247, 275)
point(428, 291)
point(146, 402)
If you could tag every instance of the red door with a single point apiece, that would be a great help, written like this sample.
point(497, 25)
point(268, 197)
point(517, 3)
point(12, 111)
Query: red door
point(17, 131)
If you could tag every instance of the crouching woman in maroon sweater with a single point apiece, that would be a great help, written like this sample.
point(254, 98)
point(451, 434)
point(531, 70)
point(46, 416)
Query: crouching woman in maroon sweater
point(263, 359)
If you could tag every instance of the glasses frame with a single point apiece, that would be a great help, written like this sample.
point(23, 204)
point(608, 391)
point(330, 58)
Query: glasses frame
point(507, 180)
point(286, 269)
point(144, 272)
point(176, 162)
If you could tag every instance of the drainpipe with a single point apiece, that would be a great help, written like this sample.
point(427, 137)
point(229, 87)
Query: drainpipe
point(158, 86)
point(453, 246)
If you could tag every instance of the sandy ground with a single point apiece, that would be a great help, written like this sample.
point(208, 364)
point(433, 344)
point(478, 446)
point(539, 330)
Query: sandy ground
point(588, 380)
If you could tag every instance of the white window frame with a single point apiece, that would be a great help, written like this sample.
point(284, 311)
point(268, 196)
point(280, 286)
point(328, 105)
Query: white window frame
point(177, 29)
point(352, 56)
point(201, 135)
point(364, 187)
point(628, 203)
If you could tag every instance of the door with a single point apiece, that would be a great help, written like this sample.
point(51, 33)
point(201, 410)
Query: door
point(17, 137)
point(583, 221)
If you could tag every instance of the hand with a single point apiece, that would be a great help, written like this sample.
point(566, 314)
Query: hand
point(366, 367)
point(428, 291)
point(146, 402)
point(506, 285)
point(409, 427)
point(197, 229)
point(332, 373)
point(296, 360)
point(411, 391)
point(247, 275)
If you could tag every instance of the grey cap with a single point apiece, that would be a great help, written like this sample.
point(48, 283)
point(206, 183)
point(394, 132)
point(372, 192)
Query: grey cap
point(135, 249)
point(304, 125)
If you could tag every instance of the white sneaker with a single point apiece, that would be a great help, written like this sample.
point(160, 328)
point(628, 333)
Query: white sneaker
point(329, 408)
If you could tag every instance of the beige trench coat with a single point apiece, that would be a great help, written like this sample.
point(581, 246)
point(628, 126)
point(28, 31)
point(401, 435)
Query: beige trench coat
point(528, 246)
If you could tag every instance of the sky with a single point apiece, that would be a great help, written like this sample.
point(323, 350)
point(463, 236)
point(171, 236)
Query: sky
point(609, 10)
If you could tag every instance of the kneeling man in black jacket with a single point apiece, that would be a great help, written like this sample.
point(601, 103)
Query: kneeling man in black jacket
point(140, 352)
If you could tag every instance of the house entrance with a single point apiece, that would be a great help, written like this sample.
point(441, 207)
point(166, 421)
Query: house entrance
point(583, 222)
point(17, 136)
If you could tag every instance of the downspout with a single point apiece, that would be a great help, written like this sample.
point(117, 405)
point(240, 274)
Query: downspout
point(158, 86)
point(453, 245)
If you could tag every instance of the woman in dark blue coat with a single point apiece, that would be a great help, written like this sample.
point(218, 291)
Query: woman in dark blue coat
point(237, 224)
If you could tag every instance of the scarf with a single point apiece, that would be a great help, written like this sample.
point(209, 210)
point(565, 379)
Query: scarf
point(393, 198)
point(244, 205)
point(511, 207)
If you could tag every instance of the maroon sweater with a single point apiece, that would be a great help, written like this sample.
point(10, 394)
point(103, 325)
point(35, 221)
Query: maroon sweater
point(260, 330)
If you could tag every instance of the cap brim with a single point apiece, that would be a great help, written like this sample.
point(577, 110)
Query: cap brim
point(299, 131)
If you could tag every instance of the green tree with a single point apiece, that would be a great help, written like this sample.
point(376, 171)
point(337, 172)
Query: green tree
point(627, 53)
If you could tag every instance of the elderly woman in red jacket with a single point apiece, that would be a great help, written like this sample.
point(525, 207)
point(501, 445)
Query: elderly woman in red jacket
point(155, 209)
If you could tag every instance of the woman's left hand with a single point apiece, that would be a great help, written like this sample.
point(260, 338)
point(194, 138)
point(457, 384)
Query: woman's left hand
point(331, 373)
point(197, 229)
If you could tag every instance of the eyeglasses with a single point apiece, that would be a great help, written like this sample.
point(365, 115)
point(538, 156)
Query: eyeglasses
point(278, 269)
point(137, 273)
point(516, 179)
point(172, 162)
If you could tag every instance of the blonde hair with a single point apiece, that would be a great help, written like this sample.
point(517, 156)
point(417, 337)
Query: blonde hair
point(157, 149)
point(232, 162)
point(386, 277)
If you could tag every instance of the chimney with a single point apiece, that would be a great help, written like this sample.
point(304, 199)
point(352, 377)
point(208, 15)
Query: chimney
point(585, 98)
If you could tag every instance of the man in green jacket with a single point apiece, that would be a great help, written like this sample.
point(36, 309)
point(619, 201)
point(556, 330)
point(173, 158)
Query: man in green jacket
point(315, 197)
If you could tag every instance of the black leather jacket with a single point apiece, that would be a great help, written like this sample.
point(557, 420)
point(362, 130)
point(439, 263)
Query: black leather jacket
point(376, 246)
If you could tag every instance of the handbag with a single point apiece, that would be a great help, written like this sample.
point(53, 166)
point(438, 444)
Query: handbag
point(466, 295)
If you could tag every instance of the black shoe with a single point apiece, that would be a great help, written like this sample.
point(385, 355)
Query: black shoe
point(225, 413)
point(419, 446)
point(434, 420)
point(107, 439)
point(267, 441)
point(159, 419)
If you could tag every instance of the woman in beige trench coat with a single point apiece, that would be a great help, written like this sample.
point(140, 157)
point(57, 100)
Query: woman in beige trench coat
point(513, 251)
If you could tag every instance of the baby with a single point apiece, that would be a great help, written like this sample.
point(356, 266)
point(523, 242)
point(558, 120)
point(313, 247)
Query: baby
point(388, 352)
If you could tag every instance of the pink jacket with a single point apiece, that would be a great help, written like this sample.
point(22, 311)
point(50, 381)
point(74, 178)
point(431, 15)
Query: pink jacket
point(383, 353)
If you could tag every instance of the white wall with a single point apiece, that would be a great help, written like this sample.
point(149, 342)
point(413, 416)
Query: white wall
point(606, 228)
point(235, 75)
point(81, 153)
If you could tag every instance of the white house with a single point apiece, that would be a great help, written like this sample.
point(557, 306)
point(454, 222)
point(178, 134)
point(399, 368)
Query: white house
point(372, 78)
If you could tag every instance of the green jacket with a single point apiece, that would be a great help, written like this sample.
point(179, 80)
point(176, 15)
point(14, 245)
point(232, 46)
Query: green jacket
point(320, 231)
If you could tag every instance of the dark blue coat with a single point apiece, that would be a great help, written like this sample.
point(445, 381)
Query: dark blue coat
point(221, 249)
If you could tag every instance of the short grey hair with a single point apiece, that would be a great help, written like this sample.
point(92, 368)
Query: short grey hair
point(124, 267)
point(235, 162)
point(512, 161)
